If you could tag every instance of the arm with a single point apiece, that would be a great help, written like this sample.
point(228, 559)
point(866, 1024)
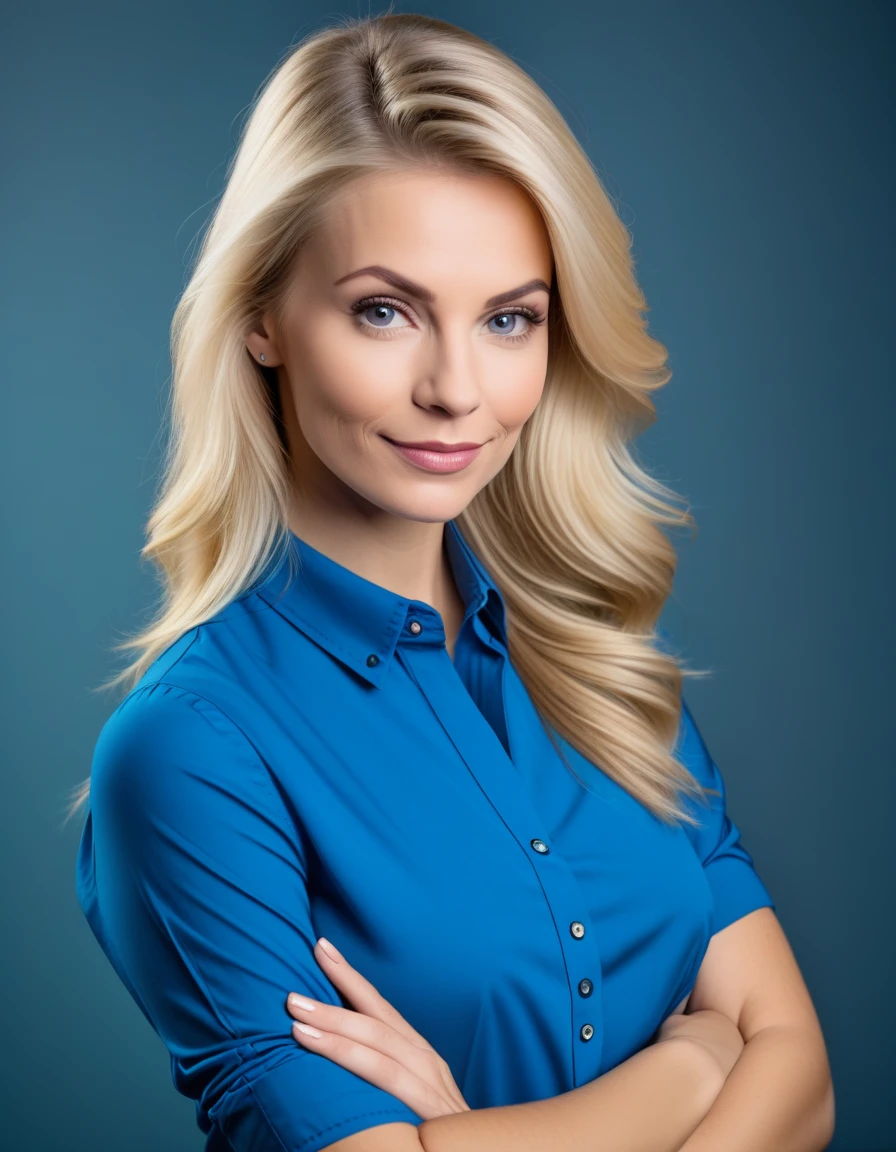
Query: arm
point(193, 880)
point(751, 975)
point(786, 1069)
point(370, 1037)
point(649, 1103)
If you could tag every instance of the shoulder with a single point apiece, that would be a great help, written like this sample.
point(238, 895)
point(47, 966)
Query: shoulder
point(692, 751)
point(165, 748)
point(238, 657)
point(216, 661)
point(690, 747)
point(710, 810)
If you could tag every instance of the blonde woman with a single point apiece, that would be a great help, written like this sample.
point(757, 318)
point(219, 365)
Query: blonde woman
point(402, 836)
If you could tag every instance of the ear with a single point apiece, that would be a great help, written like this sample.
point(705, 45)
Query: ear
point(261, 341)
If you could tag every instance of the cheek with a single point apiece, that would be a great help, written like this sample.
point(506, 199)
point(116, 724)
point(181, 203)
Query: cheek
point(338, 377)
point(516, 393)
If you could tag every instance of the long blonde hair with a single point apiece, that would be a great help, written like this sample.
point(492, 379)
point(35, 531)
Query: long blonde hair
point(571, 528)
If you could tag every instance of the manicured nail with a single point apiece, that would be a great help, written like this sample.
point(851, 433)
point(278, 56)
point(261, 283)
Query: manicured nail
point(300, 1002)
point(308, 1030)
point(330, 949)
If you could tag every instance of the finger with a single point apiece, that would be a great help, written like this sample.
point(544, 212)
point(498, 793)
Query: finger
point(366, 1030)
point(380, 1070)
point(424, 1062)
point(363, 995)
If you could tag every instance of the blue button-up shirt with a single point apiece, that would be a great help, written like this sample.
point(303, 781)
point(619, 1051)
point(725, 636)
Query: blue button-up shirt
point(311, 762)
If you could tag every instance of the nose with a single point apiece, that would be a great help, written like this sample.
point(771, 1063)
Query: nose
point(450, 376)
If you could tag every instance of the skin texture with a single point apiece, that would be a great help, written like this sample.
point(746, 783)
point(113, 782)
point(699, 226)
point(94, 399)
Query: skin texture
point(751, 975)
point(449, 369)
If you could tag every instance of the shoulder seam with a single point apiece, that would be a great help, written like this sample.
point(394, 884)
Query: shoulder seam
point(187, 649)
point(256, 756)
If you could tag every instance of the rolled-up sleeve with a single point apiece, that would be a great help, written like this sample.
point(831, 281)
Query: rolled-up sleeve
point(736, 886)
point(193, 880)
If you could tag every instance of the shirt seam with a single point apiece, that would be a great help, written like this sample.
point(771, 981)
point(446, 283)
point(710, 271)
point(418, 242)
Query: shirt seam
point(249, 1086)
point(195, 637)
point(263, 1111)
point(349, 1120)
point(255, 755)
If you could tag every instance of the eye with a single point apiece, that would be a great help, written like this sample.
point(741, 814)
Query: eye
point(512, 325)
point(383, 314)
point(385, 309)
point(532, 318)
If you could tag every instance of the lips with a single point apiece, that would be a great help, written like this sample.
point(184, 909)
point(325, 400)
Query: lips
point(444, 458)
point(435, 445)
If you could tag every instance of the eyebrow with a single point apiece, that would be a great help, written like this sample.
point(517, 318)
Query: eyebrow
point(411, 289)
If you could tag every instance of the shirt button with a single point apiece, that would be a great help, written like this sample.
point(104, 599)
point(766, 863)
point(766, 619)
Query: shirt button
point(585, 987)
point(578, 929)
point(372, 661)
point(415, 626)
point(587, 1032)
point(540, 846)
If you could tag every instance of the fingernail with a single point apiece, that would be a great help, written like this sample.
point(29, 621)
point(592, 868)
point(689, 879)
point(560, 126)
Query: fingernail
point(308, 1030)
point(330, 949)
point(300, 1002)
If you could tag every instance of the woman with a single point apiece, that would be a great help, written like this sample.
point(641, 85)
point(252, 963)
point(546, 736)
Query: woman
point(412, 579)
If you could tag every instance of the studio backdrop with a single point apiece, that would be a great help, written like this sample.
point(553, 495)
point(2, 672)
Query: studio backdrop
point(748, 147)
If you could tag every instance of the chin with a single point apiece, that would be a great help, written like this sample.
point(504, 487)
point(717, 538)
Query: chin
point(427, 510)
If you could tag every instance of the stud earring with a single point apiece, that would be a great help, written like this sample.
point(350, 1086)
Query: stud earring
point(261, 357)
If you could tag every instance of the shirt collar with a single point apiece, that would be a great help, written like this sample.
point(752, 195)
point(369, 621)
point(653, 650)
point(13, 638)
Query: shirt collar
point(361, 623)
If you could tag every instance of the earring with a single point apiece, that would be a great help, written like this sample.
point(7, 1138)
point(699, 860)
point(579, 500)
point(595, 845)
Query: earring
point(261, 357)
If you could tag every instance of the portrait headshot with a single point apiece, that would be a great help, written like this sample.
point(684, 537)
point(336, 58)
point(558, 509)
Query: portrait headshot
point(453, 707)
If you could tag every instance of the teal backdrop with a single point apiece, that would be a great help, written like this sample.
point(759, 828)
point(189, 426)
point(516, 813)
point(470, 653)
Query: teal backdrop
point(749, 149)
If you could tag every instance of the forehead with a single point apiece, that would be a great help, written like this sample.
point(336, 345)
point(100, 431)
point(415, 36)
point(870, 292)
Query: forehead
point(431, 225)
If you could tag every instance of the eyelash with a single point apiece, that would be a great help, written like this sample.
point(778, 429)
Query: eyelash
point(368, 302)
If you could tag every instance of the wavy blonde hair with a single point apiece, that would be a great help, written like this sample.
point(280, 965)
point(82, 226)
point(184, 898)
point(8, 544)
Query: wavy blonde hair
point(571, 528)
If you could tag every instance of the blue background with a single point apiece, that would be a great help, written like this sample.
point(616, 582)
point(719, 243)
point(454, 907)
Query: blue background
point(748, 147)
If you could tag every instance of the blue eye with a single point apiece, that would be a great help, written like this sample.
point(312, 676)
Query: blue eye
point(381, 308)
point(512, 316)
point(386, 310)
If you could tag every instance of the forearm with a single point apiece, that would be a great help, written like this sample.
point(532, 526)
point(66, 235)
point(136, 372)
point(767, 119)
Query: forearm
point(650, 1103)
point(778, 1097)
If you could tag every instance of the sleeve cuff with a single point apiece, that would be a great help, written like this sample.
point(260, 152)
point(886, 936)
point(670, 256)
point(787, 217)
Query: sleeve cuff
point(280, 1111)
point(736, 890)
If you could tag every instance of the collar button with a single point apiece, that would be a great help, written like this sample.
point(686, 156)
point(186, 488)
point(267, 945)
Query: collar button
point(372, 660)
point(416, 627)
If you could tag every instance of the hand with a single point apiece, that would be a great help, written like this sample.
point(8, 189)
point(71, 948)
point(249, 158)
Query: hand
point(712, 1031)
point(376, 1042)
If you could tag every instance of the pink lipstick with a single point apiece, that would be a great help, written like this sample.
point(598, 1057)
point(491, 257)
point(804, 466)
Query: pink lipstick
point(436, 456)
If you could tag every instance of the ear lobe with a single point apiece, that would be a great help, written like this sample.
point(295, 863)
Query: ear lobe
point(262, 343)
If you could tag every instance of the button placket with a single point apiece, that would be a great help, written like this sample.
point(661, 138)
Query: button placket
point(577, 929)
point(494, 770)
